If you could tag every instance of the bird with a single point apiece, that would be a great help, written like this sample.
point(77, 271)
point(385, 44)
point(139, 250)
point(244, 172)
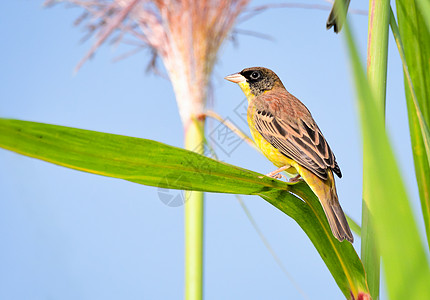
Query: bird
point(333, 19)
point(286, 133)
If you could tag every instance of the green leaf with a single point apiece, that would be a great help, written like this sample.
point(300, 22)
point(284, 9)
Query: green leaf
point(340, 258)
point(406, 267)
point(424, 6)
point(156, 164)
point(415, 37)
point(138, 160)
point(354, 225)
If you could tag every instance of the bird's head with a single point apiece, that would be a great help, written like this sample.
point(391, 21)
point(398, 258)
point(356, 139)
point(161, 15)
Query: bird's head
point(255, 81)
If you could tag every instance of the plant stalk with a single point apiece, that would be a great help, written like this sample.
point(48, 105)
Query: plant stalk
point(194, 208)
point(377, 53)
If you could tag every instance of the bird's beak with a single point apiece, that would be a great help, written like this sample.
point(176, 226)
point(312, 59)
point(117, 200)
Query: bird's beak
point(236, 78)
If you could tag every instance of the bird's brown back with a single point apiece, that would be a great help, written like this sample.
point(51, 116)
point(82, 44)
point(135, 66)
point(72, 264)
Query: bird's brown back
point(293, 131)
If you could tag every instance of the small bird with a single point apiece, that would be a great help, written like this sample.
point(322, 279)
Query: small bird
point(286, 133)
point(333, 18)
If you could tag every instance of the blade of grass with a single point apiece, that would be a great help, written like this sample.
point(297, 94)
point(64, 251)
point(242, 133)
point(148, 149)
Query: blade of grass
point(354, 226)
point(152, 163)
point(406, 267)
point(425, 133)
point(422, 123)
point(425, 9)
point(352, 284)
point(416, 45)
point(137, 160)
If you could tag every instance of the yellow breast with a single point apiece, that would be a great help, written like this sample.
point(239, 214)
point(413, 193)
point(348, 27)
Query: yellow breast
point(273, 154)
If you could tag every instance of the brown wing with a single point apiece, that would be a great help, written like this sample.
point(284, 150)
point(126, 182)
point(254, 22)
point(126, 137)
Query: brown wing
point(297, 138)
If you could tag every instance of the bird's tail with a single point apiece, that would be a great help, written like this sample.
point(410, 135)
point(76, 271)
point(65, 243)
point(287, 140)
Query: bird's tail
point(326, 193)
point(335, 215)
point(337, 220)
point(325, 190)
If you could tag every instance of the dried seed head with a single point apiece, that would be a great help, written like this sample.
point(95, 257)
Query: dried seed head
point(185, 34)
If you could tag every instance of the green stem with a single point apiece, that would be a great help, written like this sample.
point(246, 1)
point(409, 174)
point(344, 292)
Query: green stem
point(377, 52)
point(194, 207)
point(369, 253)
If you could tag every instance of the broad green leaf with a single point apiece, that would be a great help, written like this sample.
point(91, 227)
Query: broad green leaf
point(310, 216)
point(133, 159)
point(424, 6)
point(156, 164)
point(405, 264)
point(415, 38)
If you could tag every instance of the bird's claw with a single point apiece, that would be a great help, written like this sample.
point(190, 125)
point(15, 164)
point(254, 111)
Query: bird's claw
point(277, 176)
point(277, 173)
point(295, 179)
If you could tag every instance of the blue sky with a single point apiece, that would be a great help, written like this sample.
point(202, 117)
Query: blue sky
point(70, 235)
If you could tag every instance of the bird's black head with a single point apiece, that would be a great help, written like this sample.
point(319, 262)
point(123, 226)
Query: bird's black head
point(260, 79)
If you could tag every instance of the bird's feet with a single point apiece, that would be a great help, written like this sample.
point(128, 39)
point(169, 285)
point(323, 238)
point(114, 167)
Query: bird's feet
point(277, 173)
point(295, 179)
point(279, 176)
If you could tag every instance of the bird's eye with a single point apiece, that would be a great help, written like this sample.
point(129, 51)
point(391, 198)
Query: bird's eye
point(255, 75)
